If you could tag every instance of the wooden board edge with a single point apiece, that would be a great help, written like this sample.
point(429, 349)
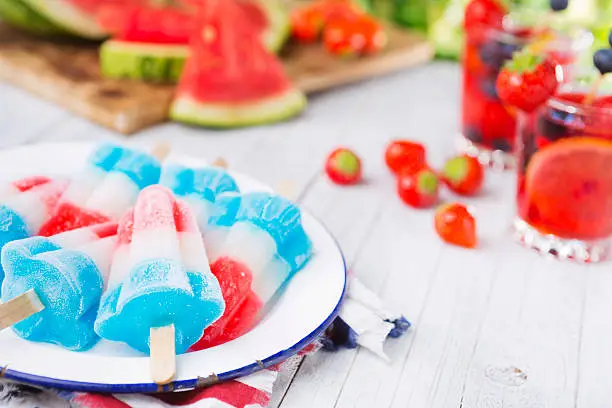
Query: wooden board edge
point(392, 62)
point(126, 123)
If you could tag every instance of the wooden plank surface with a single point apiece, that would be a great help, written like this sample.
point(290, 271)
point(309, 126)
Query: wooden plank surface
point(68, 74)
point(496, 327)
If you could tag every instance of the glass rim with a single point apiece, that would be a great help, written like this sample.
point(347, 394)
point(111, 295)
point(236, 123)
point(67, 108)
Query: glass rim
point(579, 39)
point(558, 103)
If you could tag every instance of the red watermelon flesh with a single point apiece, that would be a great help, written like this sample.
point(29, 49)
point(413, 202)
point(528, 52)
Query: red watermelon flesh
point(228, 62)
point(138, 21)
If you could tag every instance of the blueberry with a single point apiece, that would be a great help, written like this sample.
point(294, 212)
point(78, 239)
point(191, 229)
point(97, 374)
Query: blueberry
point(495, 53)
point(488, 87)
point(472, 134)
point(610, 38)
point(603, 60)
point(502, 144)
point(551, 130)
point(401, 326)
point(559, 5)
point(492, 55)
point(508, 50)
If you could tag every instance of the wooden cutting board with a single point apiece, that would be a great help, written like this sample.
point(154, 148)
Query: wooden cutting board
point(68, 74)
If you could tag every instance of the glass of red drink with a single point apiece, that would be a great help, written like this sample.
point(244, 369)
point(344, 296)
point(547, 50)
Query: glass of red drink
point(564, 195)
point(488, 127)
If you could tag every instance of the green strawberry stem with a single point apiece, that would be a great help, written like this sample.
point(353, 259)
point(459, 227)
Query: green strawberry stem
point(347, 163)
point(524, 61)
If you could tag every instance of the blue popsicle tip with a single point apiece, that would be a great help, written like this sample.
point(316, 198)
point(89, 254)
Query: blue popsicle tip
point(158, 293)
point(205, 182)
point(12, 227)
point(67, 282)
point(142, 168)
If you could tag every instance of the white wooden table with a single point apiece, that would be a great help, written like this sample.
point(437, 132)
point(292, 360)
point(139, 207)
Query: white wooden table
point(495, 327)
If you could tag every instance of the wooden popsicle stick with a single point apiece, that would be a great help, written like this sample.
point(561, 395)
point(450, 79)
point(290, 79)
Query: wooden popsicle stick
point(286, 189)
point(19, 308)
point(161, 150)
point(221, 162)
point(163, 354)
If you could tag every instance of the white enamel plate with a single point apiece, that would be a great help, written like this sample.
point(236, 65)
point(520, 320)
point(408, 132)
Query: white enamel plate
point(307, 307)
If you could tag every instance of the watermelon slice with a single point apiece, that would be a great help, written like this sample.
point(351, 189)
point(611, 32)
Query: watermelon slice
point(230, 79)
point(20, 15)
point(152, 43)
point(77, 17)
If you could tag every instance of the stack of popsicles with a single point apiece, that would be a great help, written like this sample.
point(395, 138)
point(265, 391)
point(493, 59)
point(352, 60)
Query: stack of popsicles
point(163, 258)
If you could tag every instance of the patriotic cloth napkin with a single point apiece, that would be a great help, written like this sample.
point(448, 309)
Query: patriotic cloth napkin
point(363, 321)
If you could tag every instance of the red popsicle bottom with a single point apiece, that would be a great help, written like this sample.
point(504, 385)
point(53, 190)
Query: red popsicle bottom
point(68, 217)
point(241, 304)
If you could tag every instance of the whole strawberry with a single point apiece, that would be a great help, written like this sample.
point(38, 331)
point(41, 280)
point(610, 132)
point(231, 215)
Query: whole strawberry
point(456, 225)
point(343, 167)
point(463, 175)
point(527, 81)
point(420, 189)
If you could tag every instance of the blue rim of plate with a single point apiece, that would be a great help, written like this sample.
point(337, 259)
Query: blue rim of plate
point(194, 383)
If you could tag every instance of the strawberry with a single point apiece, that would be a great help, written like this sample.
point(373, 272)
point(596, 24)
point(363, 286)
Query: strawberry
point(307, 22)
point(354, 35)
point(343, 167)
point(455, 225)
point(405, 156)
point(420, 189)
point(527, 81)
point(463, 175)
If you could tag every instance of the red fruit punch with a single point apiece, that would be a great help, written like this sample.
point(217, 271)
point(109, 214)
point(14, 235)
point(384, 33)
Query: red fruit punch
point(484, 12)
point(567, 189)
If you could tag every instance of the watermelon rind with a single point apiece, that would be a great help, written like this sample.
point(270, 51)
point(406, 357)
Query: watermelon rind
point(148, 62)
point(279, 30)
point(69, 18)
point(268, 110)
point(19, 15)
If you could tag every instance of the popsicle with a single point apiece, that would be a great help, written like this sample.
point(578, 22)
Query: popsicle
point(53, 285)
point(212, 194)
point(160, 281)
point(104, 190)
point(265, 247)
point(24, 205)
